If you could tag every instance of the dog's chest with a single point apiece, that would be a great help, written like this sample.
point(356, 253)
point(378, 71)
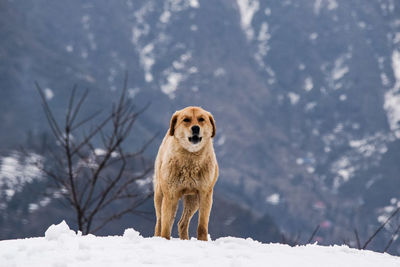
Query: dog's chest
point(188, 173)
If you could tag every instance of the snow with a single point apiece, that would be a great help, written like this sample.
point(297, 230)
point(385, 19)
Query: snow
point(370, 145)
point(308, 84)
point(164, 18)
point(173, 80)
point(294, 98)
point(339, 70)
point(132, 92)
point(273, 199)
point(317, 6)
point(144, 49)
point(335, 72)
point(58, 232)
point(16, 171)
point(344, 170)
point(147, 61)
point(313, 36)
point(329, 4)
point(392, 97)
point(262, 47)
point(33, 207)
point(247, 9)
point(177, 73)
point(149, 47)
point(194, 4)
point(62, 247)
point(384, 79)
point(221, 140)
point(332, 4)
point(396, 38)
point(219, 72)
point(69, 48)
point(48, 93)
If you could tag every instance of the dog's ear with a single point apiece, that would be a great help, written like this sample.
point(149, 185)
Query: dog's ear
point(212, 123)
point(174, 119)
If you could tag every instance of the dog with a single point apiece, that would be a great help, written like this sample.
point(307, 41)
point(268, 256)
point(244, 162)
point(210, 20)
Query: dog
point(185, 166)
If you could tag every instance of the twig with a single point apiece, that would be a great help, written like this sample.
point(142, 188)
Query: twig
point(313, 234)
point(93, 182)
point(392, 238)
point(357, 239)
point(380, 228)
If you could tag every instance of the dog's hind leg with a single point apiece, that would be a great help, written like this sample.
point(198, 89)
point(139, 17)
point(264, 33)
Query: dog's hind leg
point(157, 205)
point(190, 206)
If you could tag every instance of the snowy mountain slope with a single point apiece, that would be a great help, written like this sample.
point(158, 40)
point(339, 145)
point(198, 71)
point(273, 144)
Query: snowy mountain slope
point(62, 247)
point(305, 93)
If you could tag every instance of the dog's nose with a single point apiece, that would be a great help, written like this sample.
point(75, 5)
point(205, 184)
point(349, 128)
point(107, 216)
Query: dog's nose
point(195, 129)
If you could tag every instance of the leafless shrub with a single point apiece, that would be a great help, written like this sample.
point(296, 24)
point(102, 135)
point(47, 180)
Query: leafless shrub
point(376, 232)
point(295, 241)
point(89, 169)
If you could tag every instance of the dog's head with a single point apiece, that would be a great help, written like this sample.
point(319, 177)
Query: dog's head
point(193, 127)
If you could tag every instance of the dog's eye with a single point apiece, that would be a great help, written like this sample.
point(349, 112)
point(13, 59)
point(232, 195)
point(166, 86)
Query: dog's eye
point(186, 120)
point(201, 119)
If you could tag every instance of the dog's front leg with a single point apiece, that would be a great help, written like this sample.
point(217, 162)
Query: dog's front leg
point(168, 211)
point(204, 214)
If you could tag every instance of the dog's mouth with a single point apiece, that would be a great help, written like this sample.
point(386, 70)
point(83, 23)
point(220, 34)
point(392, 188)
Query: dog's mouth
point(195, 139)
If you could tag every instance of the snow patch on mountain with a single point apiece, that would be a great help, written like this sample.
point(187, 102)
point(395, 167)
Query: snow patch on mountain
point(308, 84)
point(336, 72)
point(48, 93)
point(328, 4)
point(392, 97)
point(363, 154)
point(339, 69)
point(262, 46)
point(140, 30)
point(247, 9)
point(294, 98)
point(177, 73)
point(147, 60)
point(149, 49)
point(17, 170)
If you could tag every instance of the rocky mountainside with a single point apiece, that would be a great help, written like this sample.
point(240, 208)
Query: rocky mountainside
point(305, 93)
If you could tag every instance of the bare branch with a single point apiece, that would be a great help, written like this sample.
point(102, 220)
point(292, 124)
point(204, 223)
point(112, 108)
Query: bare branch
point(94, 182)
point(71, 102)
point(104, 193)
point(313, 234)
point(380, 228)
point(89, 118)
point(120, 214)
point(91, 135)
point(78, 106)
point(49, 115)
point(357, 239)
point(392, 238)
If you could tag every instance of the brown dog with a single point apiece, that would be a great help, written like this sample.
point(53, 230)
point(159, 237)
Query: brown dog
point(186, 167)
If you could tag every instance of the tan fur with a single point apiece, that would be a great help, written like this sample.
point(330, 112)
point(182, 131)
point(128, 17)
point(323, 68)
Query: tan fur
point(183, 169)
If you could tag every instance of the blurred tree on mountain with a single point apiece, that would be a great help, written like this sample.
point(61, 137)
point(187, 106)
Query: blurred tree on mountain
point(89, 169)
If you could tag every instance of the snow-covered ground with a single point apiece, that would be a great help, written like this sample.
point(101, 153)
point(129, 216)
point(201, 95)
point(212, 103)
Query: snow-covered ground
point(62, 247)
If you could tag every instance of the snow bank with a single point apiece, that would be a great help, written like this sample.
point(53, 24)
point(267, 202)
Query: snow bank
point(61, 247)
point(56, 232)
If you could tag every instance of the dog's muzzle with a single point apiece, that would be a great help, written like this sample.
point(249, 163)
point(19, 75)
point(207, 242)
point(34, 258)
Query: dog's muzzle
point(195, 138)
